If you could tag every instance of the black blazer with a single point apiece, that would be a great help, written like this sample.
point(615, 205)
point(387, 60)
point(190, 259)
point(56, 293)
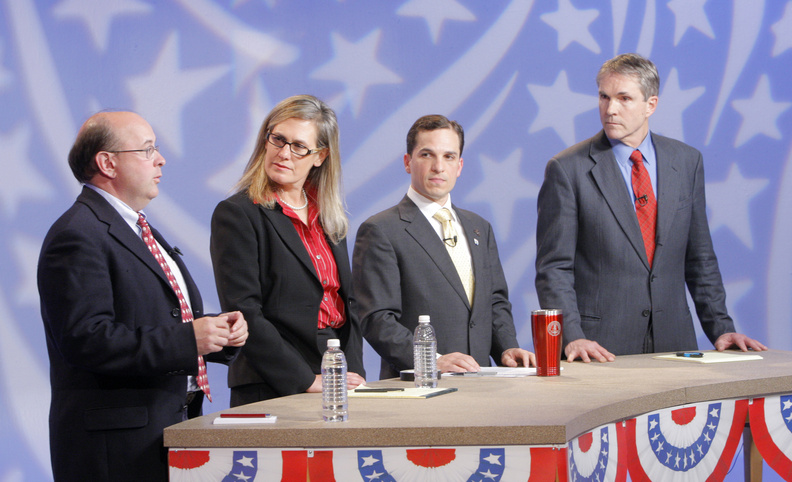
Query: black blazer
point(119, 353)
point(263, 270)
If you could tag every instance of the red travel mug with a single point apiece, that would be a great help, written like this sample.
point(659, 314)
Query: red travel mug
point(547, 326)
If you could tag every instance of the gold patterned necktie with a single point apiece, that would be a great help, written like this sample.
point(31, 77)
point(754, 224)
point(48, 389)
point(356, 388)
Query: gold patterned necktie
point(186, 312)
point(460, 255)
point(645, 203)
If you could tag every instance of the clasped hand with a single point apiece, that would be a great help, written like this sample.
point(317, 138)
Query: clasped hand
point(213, 333)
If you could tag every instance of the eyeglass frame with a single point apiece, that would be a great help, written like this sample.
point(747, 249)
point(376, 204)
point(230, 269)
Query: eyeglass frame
point(291, 146)
point(149, 151)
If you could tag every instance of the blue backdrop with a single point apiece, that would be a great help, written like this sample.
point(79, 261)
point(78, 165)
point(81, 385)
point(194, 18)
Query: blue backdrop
point(518, 75)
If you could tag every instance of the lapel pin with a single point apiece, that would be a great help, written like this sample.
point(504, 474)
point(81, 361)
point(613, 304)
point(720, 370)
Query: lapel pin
point(475, 241)
point(476, 231)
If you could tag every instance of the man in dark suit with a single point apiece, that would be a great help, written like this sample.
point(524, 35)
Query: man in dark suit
point(123, 365)
point(621, 285)
point(402, 268)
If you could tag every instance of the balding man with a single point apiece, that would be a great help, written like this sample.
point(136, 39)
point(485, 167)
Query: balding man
point(123, 318)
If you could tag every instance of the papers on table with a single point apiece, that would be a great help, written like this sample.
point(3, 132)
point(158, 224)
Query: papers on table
point(410, 392)
point(501, 372)
point(713, 357)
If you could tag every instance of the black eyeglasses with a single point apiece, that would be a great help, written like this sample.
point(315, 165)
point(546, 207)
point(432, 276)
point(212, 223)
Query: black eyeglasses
point(297, 149)
point(149, 151)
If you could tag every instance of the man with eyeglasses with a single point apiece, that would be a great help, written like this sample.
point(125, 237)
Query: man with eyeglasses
point(123, 319)
point(426, 256)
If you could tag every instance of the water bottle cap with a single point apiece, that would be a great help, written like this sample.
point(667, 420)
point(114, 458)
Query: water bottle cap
point(423, 319)
point(333, 343)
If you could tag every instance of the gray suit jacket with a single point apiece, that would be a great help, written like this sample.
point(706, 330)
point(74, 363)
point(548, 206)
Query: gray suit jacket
point(591, 261)
point(401, 270)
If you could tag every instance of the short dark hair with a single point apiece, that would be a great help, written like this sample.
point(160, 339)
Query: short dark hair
point(431, 123)
point(95, 136)
point(639, 68)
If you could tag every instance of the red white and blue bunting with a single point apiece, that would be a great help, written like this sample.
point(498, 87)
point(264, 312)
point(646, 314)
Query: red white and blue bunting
point(594, 456)
point(695, 442)
point(473, 464)
point(771, 428)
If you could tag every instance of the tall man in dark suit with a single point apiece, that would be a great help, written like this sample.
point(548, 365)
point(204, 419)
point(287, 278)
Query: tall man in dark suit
point(621, 285)
point(123, 365)
point(402, 267)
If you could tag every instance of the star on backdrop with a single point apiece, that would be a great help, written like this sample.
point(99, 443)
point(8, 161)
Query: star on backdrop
point(760, 113)
point(97, 15)
point(435, 13)
point(690, 14)
point(492, 176)
point(21, 181)
point(782, 30)
point(356, 65)
point(728, 202)
point(164, 91)
point(558, 107)
point(572, 25)
point(668, 119)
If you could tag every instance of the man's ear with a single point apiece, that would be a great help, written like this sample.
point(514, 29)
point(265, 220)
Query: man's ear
point(106, 164)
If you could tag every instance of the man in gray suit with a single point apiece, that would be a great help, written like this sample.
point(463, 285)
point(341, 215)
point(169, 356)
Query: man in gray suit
point(622, 287)
point(402, 267)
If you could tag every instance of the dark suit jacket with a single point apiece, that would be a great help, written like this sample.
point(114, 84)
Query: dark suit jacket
point(119, 353)
point(402, 270)
point(591, 260)
point(263, 270)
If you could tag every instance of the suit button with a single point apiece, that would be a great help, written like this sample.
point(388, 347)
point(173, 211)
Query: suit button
point(653, 277)
point(175, 313)
point(646, 312)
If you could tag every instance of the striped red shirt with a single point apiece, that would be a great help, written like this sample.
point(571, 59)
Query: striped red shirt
point(331, 310)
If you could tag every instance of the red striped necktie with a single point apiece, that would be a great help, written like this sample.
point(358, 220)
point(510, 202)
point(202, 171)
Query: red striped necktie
point(645, 203)
point(186, 312)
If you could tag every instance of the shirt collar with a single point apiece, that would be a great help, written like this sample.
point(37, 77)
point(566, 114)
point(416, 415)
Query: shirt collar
point(429, 207)
point(622, 151)
point(127, 213)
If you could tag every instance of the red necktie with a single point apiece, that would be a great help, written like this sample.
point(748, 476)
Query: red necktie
point(645, 203)
point(186, 312)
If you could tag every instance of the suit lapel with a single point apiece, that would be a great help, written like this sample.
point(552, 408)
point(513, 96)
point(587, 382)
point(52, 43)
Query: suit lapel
point(668, 186)
point(419, 228)
point(120, 230)
point(610, 181)
point(286, 231)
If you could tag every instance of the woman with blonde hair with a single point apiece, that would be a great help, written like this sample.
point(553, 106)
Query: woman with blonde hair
point(280, 256)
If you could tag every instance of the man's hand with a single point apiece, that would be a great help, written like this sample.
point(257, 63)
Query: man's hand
point(457, 362)
point(742, 342)
point(586, 350)
point(238, 328)
point(211, 333)
point(353, 381)
point(515, 357)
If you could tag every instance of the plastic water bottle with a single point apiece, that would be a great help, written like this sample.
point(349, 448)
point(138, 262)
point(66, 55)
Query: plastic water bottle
point(425, 354)
point(334, 383)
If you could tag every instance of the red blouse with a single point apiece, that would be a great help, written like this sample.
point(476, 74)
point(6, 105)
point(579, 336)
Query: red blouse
point(331, 310)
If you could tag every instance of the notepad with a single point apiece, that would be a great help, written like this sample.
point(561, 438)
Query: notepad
point(239, 418)
point(411, 392)
point(713, 357)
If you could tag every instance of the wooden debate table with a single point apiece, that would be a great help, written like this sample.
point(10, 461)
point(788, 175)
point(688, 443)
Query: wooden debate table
point(506, 413)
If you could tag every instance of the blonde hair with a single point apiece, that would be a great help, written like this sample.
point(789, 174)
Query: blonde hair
point(325, 179)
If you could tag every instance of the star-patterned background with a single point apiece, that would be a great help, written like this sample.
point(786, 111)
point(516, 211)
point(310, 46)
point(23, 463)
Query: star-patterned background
point(518, 75)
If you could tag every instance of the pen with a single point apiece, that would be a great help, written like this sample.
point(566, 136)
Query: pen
point(378, 390)
point(691, 354)
point(244, 415)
